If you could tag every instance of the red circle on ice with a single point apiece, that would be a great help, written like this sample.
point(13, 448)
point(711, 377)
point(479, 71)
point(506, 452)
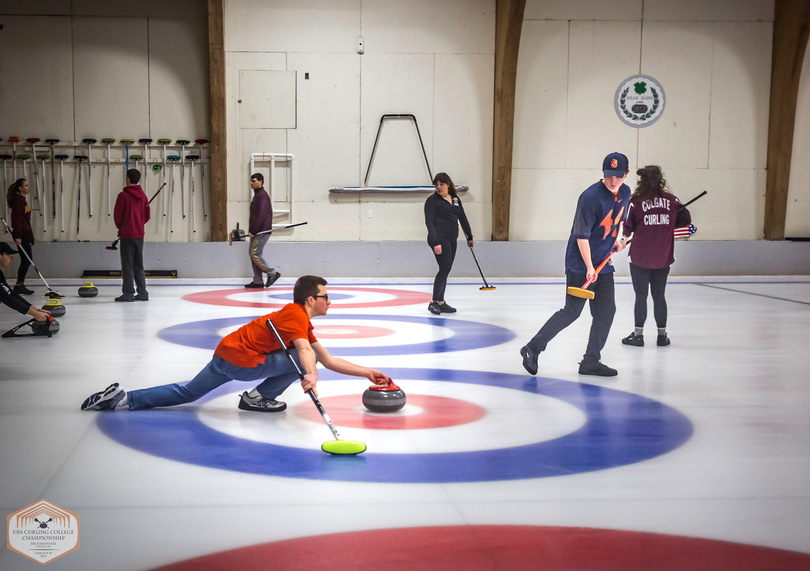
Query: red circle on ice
point(487, 547)
point(434, 412)
point(397, 297)
point(350, 331)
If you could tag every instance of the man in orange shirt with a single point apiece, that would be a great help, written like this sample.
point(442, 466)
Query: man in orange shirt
point(251, 353)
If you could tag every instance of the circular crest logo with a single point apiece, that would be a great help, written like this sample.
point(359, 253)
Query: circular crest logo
point(639, 101)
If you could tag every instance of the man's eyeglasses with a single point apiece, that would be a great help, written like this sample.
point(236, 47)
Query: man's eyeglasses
point(325, 296)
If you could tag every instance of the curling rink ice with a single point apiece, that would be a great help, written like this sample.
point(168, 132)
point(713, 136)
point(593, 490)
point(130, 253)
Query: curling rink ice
point(695, 457)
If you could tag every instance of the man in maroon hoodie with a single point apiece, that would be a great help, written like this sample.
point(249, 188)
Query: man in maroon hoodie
point(130, 215)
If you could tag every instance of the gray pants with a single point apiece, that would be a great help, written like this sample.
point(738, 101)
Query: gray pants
point(255, 249)
point(134, 280)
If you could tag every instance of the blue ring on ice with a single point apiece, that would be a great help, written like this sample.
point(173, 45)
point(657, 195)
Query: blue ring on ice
point(620, 428)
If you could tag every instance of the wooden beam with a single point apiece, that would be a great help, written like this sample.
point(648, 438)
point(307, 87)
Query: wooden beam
point(791, 27)
point(508, 25)
point(219, 150)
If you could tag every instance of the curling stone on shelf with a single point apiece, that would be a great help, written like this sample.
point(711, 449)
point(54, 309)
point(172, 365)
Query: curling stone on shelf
point(384, 398)
point(88, 290)
point(55, 307)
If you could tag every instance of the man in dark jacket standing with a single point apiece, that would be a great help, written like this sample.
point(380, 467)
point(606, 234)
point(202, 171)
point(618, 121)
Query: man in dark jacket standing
point(130, 215)
point(259, 227)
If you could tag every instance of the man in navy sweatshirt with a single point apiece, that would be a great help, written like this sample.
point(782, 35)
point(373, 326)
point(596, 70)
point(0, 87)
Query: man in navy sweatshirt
point(596, 232)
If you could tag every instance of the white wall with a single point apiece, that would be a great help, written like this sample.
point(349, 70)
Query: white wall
point(110, 69)
point(713, 60)
point(430, 59)
point(92, 69)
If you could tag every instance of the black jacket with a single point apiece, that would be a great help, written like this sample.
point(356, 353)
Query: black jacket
point(442, 219)
point(11, 299)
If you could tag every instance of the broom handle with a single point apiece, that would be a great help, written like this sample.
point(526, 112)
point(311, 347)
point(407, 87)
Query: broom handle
point(694, 199)
point(591, 279)
point(156, 193)
point(310, 392)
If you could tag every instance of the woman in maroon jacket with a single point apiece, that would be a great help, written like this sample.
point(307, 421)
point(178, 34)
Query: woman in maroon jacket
point(654, 213)
point(21, 229)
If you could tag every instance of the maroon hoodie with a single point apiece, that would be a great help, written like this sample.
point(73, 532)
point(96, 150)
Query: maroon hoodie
point(131, 212)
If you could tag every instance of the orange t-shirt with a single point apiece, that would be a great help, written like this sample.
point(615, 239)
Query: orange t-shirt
point(249, 345)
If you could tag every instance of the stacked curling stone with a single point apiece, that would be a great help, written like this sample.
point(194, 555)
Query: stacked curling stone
point(384, 398)
point(55, 307)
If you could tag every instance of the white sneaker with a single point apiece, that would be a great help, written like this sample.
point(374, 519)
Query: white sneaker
point(106, 399)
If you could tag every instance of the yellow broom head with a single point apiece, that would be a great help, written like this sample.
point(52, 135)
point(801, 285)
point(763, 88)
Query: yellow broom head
point(579, 292)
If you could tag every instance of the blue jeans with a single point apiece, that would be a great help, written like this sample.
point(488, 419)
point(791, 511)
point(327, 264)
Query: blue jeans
point(277, 372)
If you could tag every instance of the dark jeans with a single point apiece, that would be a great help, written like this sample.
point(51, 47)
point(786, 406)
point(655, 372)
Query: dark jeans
point(656, 282)
point(132, 272)
point(22, 271)
point(445, 261)
point(603, 308)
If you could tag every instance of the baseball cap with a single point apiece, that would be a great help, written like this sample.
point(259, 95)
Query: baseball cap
point(615, 164)
point(6, 249)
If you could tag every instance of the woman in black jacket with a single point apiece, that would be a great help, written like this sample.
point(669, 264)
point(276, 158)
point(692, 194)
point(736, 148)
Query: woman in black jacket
point(443, 212)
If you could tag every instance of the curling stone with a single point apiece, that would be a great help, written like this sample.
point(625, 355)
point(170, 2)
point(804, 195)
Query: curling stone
point(45, 327)
point(384, 398)
point(88, 290)
point(55, 307)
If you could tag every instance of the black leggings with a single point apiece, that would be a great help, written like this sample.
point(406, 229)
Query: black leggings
point(25, 244)
point(656, 282)
point(445, 261)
